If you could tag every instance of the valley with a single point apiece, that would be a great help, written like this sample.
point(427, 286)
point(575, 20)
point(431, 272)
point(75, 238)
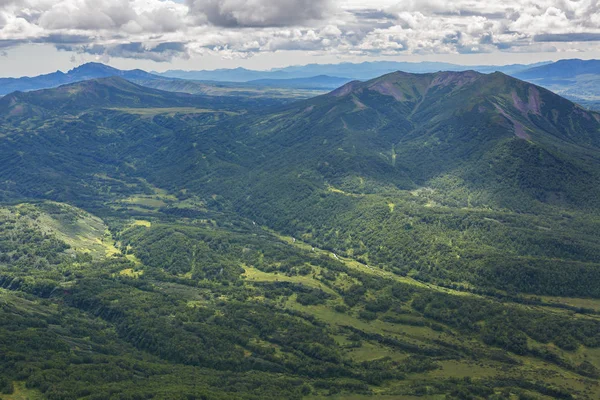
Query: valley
point(413, 236)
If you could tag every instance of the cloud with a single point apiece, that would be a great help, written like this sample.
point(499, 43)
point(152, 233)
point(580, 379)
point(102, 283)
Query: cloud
point(260, 13)
point(87, 15)
point(162, 30)
point(162, 52)
point(567, 37)
point(59, 38)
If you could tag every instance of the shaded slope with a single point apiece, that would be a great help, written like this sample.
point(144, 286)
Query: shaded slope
point(450, 177)
point(491, 133)
point(81, 73)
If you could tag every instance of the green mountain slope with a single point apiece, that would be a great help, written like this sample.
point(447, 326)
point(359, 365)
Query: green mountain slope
point(113, 92)
point(414, 236)
point(413, 129)
point(442, 175)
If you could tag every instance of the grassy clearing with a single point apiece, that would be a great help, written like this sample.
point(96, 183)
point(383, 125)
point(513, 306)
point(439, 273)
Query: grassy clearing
point(340, 191)
point(592, 304)
point(22, 393)
point(145, 201)
point(416, 335)
point(171, 111)
point(462, 369)
point(364, 268)
point(140, 222)
point(84, 232)
point(131, 273)
point(254, 275)
point(373, 351)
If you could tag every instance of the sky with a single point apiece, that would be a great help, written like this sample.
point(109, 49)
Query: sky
point(40, 36)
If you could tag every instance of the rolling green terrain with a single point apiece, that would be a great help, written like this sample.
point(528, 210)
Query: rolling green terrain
point(221, 89)
point(414, 236)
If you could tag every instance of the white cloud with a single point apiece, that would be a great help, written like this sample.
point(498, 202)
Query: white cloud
point(162, 29)
point(260, 13)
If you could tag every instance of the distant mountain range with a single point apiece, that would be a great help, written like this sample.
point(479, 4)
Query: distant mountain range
point(577, 80)
point(315, 82)
point(111, 93)
point(358, 71)
point(81, 73)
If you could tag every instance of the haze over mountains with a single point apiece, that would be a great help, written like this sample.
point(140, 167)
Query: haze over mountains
point(575, 79)
point(362, 71)
point(430, 235)
point(578, 80)
point(81, 73)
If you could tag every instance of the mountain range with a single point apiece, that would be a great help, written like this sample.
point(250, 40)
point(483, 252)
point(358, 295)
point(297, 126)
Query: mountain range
point(430, 235)
point(81, 73)
point(574, 79)
point(358, 71)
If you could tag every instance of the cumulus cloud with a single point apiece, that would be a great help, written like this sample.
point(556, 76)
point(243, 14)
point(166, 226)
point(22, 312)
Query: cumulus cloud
point(161, 30)
point(86, 15)
point(260, 13)
point(160, 53)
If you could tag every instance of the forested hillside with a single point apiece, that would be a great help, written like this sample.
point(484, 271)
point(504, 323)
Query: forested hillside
point(414, 236)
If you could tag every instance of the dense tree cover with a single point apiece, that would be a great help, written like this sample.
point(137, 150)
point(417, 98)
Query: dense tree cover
point(508, 326)
point(346, 187)
point(185, 288)
point(93, 332)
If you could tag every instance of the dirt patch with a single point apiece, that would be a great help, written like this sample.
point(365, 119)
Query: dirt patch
point(388, 88)
point(17, 110)
point(583, 113)
point(346, 89)
point(533, 104)
point(359, 106)
point(519, 128)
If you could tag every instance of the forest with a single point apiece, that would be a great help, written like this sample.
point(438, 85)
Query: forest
point(348, 246)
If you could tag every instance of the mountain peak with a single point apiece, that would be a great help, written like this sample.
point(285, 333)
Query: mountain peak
point(93, 67)
point(108, 92)
point(509, 105)
point(400, 84)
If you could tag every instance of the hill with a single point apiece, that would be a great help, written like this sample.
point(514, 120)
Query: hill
point(412, 236)
point(91, 71)
point(234, 89)
point(562, 69)
point(406, 130)
point(81, 73)
point(113, 92)
point(578, 80)
point(362, 156)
